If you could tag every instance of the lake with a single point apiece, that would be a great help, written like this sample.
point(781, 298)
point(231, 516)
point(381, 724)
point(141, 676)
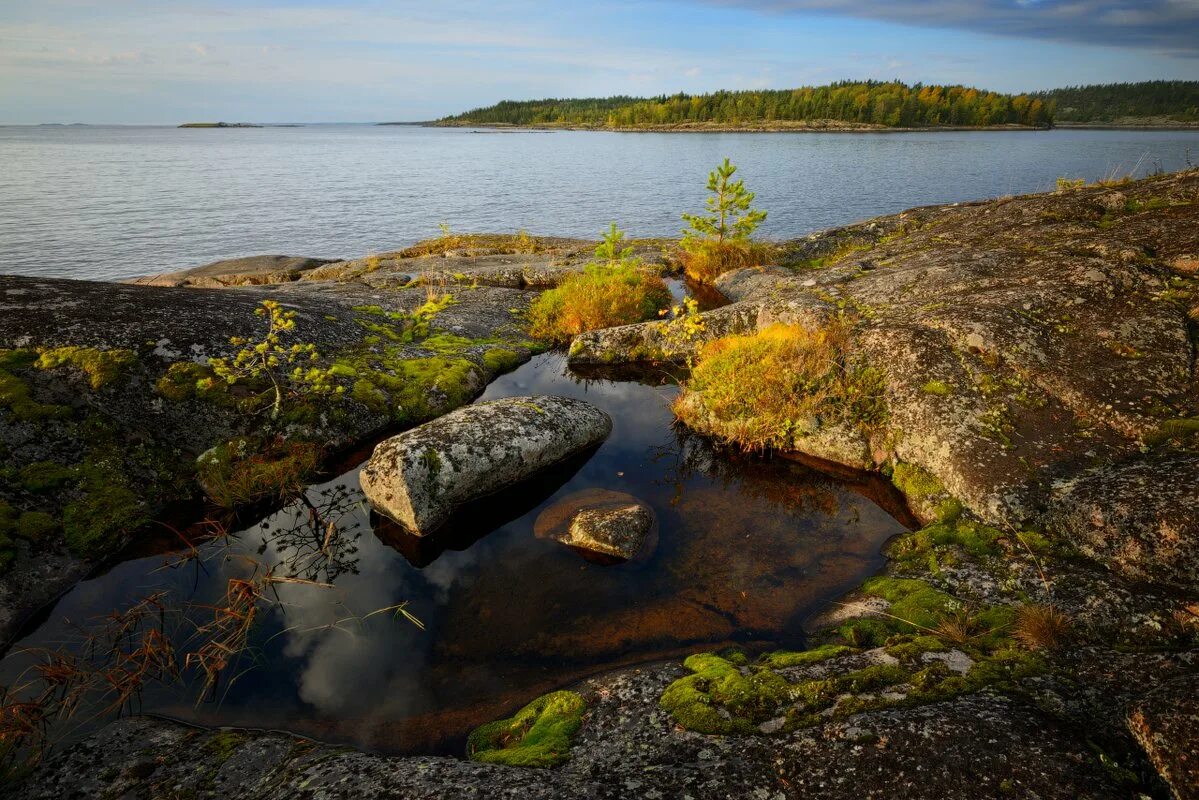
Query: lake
point(116, 202)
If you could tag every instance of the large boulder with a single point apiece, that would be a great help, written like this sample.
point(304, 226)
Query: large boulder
point(421, 477)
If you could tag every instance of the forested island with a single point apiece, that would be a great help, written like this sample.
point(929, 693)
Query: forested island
point(851, 105)
point(1165, 101)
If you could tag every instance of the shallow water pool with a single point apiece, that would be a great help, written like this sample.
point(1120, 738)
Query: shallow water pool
point(746, 549)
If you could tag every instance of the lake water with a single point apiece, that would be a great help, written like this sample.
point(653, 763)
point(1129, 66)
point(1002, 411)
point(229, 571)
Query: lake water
point(115, 202)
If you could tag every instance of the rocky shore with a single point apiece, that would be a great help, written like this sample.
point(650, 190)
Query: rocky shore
point(1033, 390)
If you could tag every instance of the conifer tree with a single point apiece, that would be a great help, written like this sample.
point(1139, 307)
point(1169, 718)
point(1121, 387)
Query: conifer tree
point(730, 216)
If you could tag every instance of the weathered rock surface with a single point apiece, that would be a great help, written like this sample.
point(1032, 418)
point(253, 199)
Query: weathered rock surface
point(976, 747)
point(421, 477)
point(1166, 724)
point(1026, 342)
point(1141, 520)
point(599, 521)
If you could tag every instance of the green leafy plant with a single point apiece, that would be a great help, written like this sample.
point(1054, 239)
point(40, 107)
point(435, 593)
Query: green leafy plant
point(286, 370)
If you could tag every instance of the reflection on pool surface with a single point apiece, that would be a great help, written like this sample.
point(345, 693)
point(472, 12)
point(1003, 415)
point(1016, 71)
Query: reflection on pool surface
point(745, 549)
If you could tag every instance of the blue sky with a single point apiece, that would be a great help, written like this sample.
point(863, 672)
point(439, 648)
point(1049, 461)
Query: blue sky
point(160, 61)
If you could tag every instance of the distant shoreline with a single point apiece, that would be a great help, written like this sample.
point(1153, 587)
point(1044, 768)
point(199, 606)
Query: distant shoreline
point(806, 128)
point(704, 127)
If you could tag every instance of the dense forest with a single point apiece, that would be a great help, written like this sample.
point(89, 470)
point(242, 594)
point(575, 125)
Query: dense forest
point(1176, 100)
point(888, 104)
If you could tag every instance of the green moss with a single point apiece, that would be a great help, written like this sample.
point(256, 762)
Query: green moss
point(696, 701)
point(974, 538)
point(98, 523)
point(539, 735)
point(915, 482)
point(908, 648)
point(16, 394)
point(911, 600)
point(222, 746)
point(185, 380)
point(102, 367)
point(500, 360)
point(36, 525)
point(864, 632)
point(784, 659)
point(921, 488)
point(43, 476)
point(370, 396)
point(937, 387)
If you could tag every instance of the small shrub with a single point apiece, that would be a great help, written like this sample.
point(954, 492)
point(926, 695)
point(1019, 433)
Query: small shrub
point(271, 361)
point(1069, 184)
point(612, 290)
point(1041, 627)
point(782, 383)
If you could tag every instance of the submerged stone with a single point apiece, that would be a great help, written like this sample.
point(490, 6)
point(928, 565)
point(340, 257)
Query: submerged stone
point(602, 525)
point(421, 477)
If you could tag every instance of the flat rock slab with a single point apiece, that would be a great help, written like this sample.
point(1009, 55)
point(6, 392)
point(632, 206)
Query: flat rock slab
point(421, 477)
point(248, 271)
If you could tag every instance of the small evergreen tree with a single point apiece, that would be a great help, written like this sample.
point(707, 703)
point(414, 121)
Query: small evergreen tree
point(730, 216)
point(612, 250)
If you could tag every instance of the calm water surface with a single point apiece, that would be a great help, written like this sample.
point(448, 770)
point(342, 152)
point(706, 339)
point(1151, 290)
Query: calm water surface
point(102, 203)
point(746, 549)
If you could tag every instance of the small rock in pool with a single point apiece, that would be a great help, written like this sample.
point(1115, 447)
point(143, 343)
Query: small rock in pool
point(602, 525)
point(421, 477)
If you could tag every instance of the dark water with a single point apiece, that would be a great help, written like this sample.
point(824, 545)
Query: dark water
point(114, 202)
point(746, 549)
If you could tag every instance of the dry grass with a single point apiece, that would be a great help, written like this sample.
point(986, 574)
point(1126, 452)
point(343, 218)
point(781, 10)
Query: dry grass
point(474, 244)
point(705, 261)
point(1041, 627)
point(240, 472)
point(601, 296)
point(766, 389)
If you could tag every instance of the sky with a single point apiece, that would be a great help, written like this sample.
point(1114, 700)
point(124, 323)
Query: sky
point(168, 61)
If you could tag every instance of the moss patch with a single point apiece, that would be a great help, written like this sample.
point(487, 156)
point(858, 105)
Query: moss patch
point(717, 684)
point(925, 491)
point(17, 396)
point(803, 658)
point(43, 476)
point(98, 523)
point(102, 367)
point(185, 380)
point(539, 735)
